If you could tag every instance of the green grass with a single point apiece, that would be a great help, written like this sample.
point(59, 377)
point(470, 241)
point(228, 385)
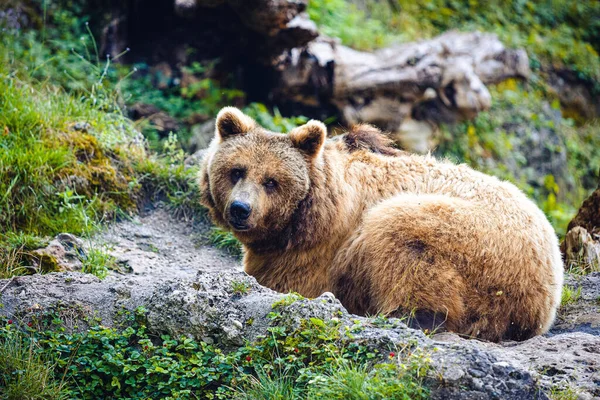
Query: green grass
point(26, 373)
point(61, 164)
point(567, 393)
point(266, 387)
point(69, 158)
point(98, 261)
point(344, 380)
point(225, 240)
point(362, 382)
point(569, 296)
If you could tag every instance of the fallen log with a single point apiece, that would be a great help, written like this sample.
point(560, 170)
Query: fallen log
point(439, 80)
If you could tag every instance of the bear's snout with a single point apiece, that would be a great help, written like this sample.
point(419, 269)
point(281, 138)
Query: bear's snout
point(239, 213)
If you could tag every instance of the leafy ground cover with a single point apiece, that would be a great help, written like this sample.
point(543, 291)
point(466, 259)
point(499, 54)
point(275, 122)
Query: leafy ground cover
point(309, 362)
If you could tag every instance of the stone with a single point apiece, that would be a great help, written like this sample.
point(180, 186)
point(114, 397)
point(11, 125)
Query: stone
point(64, 252)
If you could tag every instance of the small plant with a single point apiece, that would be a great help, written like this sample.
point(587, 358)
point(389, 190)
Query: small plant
point(565, 393)
point(268, 386)
point(349, 380)
point(98, 261)
point(225, 240)
point(240, 287)
point(287, 300)
point(569, 296)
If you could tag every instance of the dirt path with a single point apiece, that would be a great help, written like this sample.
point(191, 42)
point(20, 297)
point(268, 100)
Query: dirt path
point(160, 246)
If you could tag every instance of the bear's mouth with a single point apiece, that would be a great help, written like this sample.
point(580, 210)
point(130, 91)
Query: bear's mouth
point(238, 226)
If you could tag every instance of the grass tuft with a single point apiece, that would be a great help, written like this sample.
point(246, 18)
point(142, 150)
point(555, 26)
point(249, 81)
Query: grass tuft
point(98, 261)
point(25, 373)
point(569, 295)
point(225, 240)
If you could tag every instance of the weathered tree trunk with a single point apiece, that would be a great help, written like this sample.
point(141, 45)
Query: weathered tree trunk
point(273, 49)
point(581, 246)
point(582, 252)
point(588, 215)
point(165, 31)
point(438, 80)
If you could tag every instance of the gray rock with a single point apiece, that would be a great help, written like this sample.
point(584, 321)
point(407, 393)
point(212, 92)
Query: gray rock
point(65, 250)
point(583, 314)
point(208, 308)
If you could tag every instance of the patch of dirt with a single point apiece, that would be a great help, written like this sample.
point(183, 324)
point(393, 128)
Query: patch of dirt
point(158, 246)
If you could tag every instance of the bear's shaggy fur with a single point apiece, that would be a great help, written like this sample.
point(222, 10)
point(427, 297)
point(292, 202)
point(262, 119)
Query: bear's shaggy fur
point(385, 231)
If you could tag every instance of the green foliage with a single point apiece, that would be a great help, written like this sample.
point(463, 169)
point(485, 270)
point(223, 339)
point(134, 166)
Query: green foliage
point(199, 101)
point(225, 240)
point(132, 363)
point(196, 98)
point(273, 121)
point(319, 360)
point(98, 261)
point(569, 295)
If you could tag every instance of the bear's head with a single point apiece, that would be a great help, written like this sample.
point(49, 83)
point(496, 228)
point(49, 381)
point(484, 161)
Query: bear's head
point(254, 180)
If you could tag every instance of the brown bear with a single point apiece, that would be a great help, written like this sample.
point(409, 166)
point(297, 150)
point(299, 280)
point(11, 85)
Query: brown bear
point(385, 231)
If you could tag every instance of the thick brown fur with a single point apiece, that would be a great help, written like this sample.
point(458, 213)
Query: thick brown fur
point(385, 231)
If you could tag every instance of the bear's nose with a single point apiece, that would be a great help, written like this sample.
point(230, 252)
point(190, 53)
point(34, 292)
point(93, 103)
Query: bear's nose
point(240, 211)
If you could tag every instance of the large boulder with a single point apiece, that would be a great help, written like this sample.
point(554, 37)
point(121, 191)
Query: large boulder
point(209, 308)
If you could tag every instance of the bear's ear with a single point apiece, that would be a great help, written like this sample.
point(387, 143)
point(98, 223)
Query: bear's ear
point(231, 122)
point(309, 138)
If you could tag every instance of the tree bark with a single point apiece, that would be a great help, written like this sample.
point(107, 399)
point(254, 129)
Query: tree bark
point(439, 80)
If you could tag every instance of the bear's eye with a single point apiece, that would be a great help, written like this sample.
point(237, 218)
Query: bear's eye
point(237, 174)
point(270, 184)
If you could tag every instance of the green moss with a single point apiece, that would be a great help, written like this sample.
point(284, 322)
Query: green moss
point(287, 300)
